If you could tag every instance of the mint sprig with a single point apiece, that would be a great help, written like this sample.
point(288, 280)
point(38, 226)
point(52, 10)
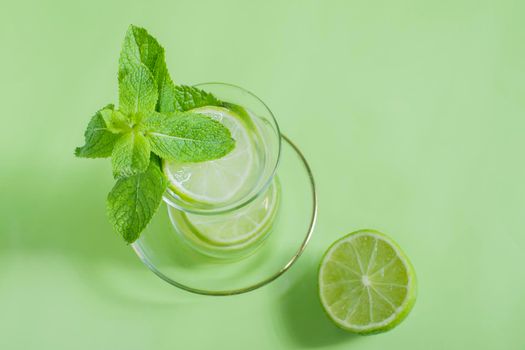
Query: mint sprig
point(153, 122)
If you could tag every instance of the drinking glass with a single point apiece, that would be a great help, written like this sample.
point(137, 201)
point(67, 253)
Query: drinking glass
point(279, 182)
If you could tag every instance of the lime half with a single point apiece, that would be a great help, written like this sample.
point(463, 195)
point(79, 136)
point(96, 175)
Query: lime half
point(220, 180)
point(366, 283)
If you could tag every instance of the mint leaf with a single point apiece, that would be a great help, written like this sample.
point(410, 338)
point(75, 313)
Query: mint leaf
point(116, 122)
point(130, 155)
point(189, 97)
point(133, 201)
point(99, 140)
point(187, 137)
point(140, 47)
point(166, 93)
point(137, 92)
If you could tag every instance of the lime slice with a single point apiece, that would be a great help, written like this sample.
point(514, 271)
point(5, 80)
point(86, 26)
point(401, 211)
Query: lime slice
point(239, 226)
point(216, 181)
point(366, 283)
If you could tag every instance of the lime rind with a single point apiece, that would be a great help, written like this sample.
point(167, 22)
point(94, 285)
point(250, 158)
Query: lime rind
point(400, 312)
point(242, 113)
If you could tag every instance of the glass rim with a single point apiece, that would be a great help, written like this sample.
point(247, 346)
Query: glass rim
point(250, 197)
point(272, 277)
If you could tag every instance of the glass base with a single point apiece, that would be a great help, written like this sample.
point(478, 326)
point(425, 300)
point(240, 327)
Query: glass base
point(233, 235)
point(167, 252)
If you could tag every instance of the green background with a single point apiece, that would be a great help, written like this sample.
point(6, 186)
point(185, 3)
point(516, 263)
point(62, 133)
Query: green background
point(411, 114)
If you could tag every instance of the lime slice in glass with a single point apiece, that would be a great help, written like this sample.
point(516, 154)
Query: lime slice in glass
point(239, 226)
point(220, 180)
point(366, 283)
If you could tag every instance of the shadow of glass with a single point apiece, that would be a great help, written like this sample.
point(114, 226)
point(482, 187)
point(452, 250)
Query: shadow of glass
point(66, 221)
point(306, 321)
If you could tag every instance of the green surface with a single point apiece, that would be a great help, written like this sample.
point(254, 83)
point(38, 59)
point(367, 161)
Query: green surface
point(411, 114)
